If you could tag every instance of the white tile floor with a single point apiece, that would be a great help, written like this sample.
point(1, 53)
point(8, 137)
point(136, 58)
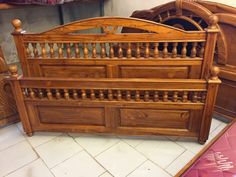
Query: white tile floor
point(79, 155)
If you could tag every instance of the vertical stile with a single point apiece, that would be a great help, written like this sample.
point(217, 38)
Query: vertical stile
point(194, 50)
point(128, 95)
point(110, 95)
point(92, 94)
point(51, 50)
point(77, 51)
point(120, 51)
point(58, 94)
point(60, 51)
point(137, 95)
point(35, 50)
point(175, 97)
point(185, 96)
point(94, 51)
point(174, 50)
point(111, 52)
point(43, 50)
point(49, 94)
point(147, 51)
point(184, 50)
point(101, 95)
point(129, 51)
point(103, 50)
point(75, 94)
point(202, 50)
point(83, 94)
point(68, 50)
point(165, 96)
point(85, 50)
point(165, 50)
point(66, 94)
point(156, 50)
point(146, 95)
point(156, 96)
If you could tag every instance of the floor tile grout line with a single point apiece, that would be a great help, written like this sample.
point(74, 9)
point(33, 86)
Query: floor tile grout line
point(12, 145)
point(106, 172)
point(176, 158)
point(137, 167)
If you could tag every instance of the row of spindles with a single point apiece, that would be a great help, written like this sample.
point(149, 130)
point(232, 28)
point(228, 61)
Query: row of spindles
point(118, 95)
point(127, 50)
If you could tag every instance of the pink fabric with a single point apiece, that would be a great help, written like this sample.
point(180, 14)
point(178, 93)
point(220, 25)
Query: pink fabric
point(219, 160)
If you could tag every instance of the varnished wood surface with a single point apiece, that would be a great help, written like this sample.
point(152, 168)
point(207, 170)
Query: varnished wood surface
point(159, 82)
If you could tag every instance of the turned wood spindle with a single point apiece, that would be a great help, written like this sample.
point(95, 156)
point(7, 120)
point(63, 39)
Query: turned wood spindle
point(94, 50)
point(165, 96)
point(83, 94)
point(146, 95)
point(101, 95)
point(51, 45)
point(156, 50)
point(129, 51)
point(92, 94)
point(128, 95)
point(194, 50)
point(103, 50)
point(68, 50)
point(49, 94)
point(185, 96)
point(137, 95)
point(60, 51)
point(147, 51)
point(31, 93)
point(156, 96)
point(111, 50)
point(77, 51)
point(110, 95)
point(119, 95)
point(165, 50)
point(43, 50)
point(58, 94)
point(24, 92)
point(203, 97)
point(160, 18)
point(174, 50)
point(40, 93)
point(120, 51)
point(202, 50)
point(195, 97)
point(138, 50)
point(86, 50)
point(75, 94)
point(27, 49)
point(175, 97)
point(35, 50)
point(184, 50)
point(66, 94)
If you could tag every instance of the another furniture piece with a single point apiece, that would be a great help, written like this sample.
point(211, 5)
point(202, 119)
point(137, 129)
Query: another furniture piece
point(194, 15)
point(218, 158)
point(8, 110)
point(153, 83)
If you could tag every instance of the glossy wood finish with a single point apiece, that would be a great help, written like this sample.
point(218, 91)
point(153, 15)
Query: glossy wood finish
point(117, 83)
point(194, 15)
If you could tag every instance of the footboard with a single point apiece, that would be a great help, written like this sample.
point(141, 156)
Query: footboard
point(116, 106)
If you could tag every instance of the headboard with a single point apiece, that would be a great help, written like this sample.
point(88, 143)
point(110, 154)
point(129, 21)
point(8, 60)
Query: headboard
point(160, 52)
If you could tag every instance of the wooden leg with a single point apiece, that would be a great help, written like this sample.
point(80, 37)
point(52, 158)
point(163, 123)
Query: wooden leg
point(201, 141)
point(30, 134)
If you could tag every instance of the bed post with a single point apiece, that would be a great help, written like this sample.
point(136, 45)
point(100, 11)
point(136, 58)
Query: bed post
point(16, 89)
point(18, 38)
point(212, 88)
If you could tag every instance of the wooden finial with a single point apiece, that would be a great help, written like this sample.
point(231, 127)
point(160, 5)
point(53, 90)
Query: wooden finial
point(13, 70)
point(17, 25)
point(214, 72)
point(213, 20)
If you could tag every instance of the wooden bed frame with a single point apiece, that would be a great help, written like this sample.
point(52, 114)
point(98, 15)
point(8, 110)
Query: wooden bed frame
point(152, 83)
